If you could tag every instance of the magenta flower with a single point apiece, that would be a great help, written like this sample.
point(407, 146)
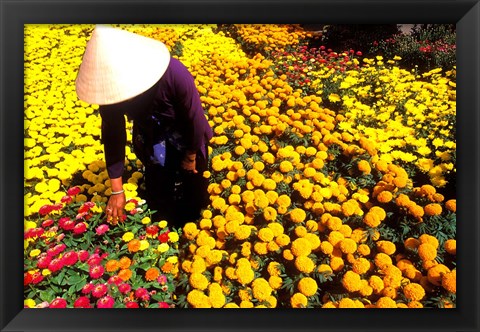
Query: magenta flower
point(55, 265)
point(58, 303)
point(114, 280)
point(83, 255)
point(162, 279)
point(142, 293)
point(70, 258)
point(87, 288)
point(132, 305)
point(94, 259)
point(102, 229)
point(96, 271)
point(106, 302)
point(80, 228)
point(43, 261)
point(99, 290)
point(124, 288)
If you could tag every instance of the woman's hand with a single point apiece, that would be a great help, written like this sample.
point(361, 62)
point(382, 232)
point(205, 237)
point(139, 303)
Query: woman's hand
point(115, 208)
point(189, 162)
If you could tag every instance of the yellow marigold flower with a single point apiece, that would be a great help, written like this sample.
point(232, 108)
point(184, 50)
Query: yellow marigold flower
point(415, 305)
point(346, 303)
point(190, 230)
point(390, 291)
point(301, 231)
point(276, 227)
point(282, 240)
point(351, 281)
point(325, 269)
point(245, 275)
point(198, 281)
point(173, 237)
point(198, 299)
point(414, 291)
point(337, 263)
point(301, 247)
point(329, 305)
point(261, 289)
point(335, 238)
point(270, 214)
point(128, 236)
point(198, 265)
point(275, 282)
point(435, 274)
point(451, 205)
point(433, 209)
point(427, 252)
point(371, 220)
point(286, 166)
point(326, 247)
point(376, 283)
point(29, 303)
point(361, 265)
point(34, 253)
point(348, 246)
point(386, 247)
point(260, 248)
point(382, 260)
point(265, 234)
point(298, 215)
point(298, 300)
point(385, 302)
point(304, 264)
point(307, 286)
point(243, 232)
point(449, 281)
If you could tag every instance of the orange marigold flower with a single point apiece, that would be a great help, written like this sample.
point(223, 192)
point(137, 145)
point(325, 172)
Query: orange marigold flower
point(400, 182)
point(301, 247)
point(427, 190)
point(351, 281)
point(385, 302)
point(298, 300)
point(124, 262)
point(435, 274)
point(167, 267)
point(451, 246)
point(112, 265)
point(307, 286)
point(427, 238)
point(416, 210)
point(386, 247)
point(376, 283)
point(414, 291)
point(390, 292)
point(451, 205)
point(298, 215)
point(304, 264)
point(134, 245)
point(427, 252)
point(326, 247)
point(371, 219)
point(363, 250)
point(402, 200)
point(411, 243)
point(348, 246)
point(433, 209)
point(364, 167)
point(449, 281)
point(382, 260)
point(346, 303)
point(415, 305)
point(385, 196)
point(125, 274)
point(361, 265)
point(152, 274)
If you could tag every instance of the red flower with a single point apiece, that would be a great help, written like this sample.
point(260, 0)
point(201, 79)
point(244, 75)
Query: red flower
point(99, 290)
point(163, 305)
point(66, 199)
point(58, 303)
point(359, 53)
point(55, 265)
point(94, 259)
point(27, 279)
point(70, 258)
point(47, 223)
point(152, 229)
point(66, 223)
point(44, 210)
point(87, 288)
point(163, 237)
point(124, 288)
point(83, 255)
point(80, 228)
point(96, 271)
point(73, 191)
point(82, 302)
point(36, 278)
point(86, 207)
point(132, 305)
point(43, 261)
point(106, 302)
point(115, 280)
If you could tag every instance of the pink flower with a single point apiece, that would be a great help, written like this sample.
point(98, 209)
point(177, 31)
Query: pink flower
point(99, 290)
point(102, 229)
point(70, 258)
point(58, 303)
point(82, 302)
point(162, 279)
point(43, 304)
point(83, 255)
point(55, 265)
point(106, 302)
point(114, 280)
point(80, 228)
point(88, 288)
point(142, 293)
point(132, 305)
point(96, 271)
point(124, 288)
point(73, 191)
point(163, 305)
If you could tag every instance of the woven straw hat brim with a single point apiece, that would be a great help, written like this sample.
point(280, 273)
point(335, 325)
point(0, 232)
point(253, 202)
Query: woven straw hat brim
point(118, 65)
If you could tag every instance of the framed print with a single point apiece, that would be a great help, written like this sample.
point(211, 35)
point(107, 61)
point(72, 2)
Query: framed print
point(182, 158)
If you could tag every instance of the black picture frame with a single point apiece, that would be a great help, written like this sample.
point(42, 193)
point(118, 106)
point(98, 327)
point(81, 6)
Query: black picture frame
point(14, 14)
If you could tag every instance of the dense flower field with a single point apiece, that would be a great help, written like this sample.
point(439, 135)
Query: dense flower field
point(332, 181)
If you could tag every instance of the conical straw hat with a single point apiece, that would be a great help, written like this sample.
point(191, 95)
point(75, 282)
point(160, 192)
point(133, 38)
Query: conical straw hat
point(118, 65)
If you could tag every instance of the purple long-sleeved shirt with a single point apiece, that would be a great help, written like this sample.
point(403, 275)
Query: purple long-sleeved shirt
point(174, 97)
